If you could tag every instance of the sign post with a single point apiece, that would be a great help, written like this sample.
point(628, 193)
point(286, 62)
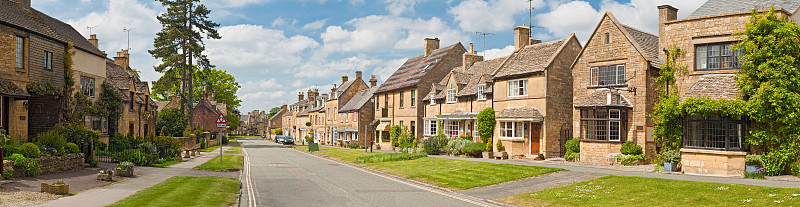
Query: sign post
point(221, 123)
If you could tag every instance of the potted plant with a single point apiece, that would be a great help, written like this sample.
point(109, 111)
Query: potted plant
point(488, 154)
point(311, 145)
point(671, 160)
point(501, 151)
point(124, 169)
point(105, 175)
point(540, 156)
point(752, 163)
point(58, 188)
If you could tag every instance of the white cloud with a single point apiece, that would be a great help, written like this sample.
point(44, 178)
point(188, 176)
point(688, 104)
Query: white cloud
point(581, 18)
point(398, 7)
point(386, 33)
point(497, 52)
point(297, 83)
point(280, 21)
point(387, 68)
point(250, 47)
point(119, 14)
point(490, 15)
point(315, 25)
point(213, 4)
point(262, 96)
point(269, 84)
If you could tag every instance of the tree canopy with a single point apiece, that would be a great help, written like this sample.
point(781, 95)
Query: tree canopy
point(273, 111)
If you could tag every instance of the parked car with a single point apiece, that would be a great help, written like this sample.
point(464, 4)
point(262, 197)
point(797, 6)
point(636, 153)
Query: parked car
point(288, 140)
point(279, 139)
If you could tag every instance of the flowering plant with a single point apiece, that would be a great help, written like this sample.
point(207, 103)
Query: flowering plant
point(60, 181)
point(106, 171)
point(125, 165)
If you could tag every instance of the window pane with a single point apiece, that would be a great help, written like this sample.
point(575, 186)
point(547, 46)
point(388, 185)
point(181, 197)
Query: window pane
point(594, 75)
point(735, 136)
point(614, 114)
point(713, 63)
point(726, 50)
point(20, 52)
point(713, 51)
point(603, 75)
point(601, 113)
point(601, 129)
point(621, 74)
point(614, 131)
point(717, 133)
point(701, 55)
point(523, 87)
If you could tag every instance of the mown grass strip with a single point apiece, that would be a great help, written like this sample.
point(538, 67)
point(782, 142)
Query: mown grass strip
point(640, 191)
point(209, 149)
point(448, 173)
point(229, 163)
point(389, 157)
point(166, 164)
point(234, 150)
point(186, 191)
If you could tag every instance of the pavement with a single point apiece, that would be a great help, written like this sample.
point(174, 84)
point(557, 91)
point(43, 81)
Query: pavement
point(144, 177)
point(278, 173)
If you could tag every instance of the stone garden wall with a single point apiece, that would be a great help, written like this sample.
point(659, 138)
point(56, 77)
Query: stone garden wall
point(53, 164)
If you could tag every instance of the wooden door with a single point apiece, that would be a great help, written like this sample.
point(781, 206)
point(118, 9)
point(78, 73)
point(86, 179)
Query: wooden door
point(536, 129)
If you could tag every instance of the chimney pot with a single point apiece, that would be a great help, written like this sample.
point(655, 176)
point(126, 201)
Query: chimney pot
point(344, 79)
point(122, 59)
point(471, 48)
point(373, 81)
point(521, 37)
point(358, 74)
point(431, 44)
point(93, 40)
point(468, 59)
point(300, 96)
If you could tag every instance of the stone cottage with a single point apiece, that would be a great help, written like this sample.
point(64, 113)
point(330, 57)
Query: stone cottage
point(340, 96)
point(358, 113)
point(713, 145)
point(139, 112)
point(613, 91)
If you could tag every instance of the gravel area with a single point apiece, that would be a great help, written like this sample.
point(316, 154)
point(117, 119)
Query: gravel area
point(13, 197)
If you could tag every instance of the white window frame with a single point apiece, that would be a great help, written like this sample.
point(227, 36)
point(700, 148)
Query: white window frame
point(431, 127)
point(618, 74)
point(514, 88)
point(20, 53)
point(451, 95)
point(87, 86)
point(48, 60)
point(482, 92)
point(512, 129)
point(433, 101)
point(450, 127)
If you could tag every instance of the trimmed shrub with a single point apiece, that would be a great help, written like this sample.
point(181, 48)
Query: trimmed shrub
point(72, 148)
point(630, 159)
point(434, 144)
point(77, 133)
point(754, 160)
point(500, 147)
point(474, 149)
point(486, 124)
point(572, 156)
point(389, 157)
point(29, 150)
point(630, 148)
point(52, 139)
point(394, 134)
point(455, 146)
point(574, 145)
point(671, 156)
point(19, 159)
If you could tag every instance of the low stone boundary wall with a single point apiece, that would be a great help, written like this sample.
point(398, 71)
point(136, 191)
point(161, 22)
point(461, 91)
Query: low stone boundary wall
point(53, 164)
point(713, 162)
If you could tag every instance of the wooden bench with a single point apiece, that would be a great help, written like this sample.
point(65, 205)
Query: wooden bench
point(190, 146)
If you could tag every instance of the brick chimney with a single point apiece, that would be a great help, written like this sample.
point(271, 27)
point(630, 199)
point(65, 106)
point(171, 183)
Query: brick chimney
point(373, 81)
point(300, 96)
point(25, 3)
point(358, 74)
point(122, 59)
point(283, 107)
point(344, 79)
point(310, 94)
point(533, 41)
point(521, 37)
point(93, 40)
point(665, 13)
point(431, 44)
point(470, 58)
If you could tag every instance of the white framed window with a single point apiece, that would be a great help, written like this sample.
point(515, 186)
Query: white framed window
point(413, 97)
point(451, 128)
point(433, 101)
point(603, 124)
point(20, 52)
point(401, 99)
point(607, 75)
point(87, 86)
point(451, 95)
point(517, 88)
point(481, 92)
point(512, 129)
point(431, 127)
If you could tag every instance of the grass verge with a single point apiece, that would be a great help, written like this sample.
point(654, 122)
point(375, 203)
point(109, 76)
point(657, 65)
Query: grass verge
point(187, 191)
point(389, 157)
point(448, 173)
point(640, 191)
point(229, 163)
point(209, 149)
point(234, 150)
point(166, 164)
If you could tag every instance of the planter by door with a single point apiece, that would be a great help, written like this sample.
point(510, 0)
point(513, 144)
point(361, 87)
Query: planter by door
point(488, 155)
point(124, 173)
point(670, 166)
point(104, 177)
point(313, 147)
point(501, 155)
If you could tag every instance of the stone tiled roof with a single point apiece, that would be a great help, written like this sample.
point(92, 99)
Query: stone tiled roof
point(714, 7)
point(520, 113)
point(37, 22)
point(304, 112)
point(648, 42)
point(714, 86)
point(359, 100)
point(530, 59)
point(414, 69)
point(8, 88)
point(479, 74)
point(114, 70)
point(344, 87)
point(140, 86)
point(139, 100)
point(121, 83)
point(600, 99)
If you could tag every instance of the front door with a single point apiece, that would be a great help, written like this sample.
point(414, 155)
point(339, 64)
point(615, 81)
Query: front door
point(536, 129)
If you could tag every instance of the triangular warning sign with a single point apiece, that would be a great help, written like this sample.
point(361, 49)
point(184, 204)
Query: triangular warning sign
point(221, 119)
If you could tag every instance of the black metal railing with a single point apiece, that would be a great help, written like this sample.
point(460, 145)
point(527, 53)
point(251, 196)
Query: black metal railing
point(140, 154)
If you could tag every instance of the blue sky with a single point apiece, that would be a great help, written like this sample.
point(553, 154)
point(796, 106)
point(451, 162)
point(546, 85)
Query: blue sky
point(276, 48)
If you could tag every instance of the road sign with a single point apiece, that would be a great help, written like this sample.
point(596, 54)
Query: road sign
point(221, 122)
point(222, 125)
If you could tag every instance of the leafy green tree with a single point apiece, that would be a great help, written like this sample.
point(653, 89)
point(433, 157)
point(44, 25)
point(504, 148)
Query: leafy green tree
point(770, 52)
point(180, 40)
point(273, 111)
point(486, 124)
point(111, 101)
point(174, 120)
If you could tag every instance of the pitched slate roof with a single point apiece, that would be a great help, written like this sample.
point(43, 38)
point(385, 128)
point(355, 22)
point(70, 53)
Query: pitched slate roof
point(359, 100)
point(648, 42)
point(10, 89)
point(161, 104)
point(530, 59)
point(520, 113)
point(415, 68)
point(600, 99)
point(37, 22)
point(714, 7)
point(714, 86)
point(480, 71)
point(343, 88)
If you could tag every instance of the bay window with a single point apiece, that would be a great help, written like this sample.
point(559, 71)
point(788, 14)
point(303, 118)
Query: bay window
point(603, 124)
point(718, 133)
point(517, 88)
point(607, 75)
point(431, 127)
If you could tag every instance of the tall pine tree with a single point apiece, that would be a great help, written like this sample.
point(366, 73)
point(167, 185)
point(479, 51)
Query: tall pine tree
point(179, 41)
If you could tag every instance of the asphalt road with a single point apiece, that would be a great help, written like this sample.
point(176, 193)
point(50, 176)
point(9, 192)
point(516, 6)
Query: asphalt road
point(279, 176)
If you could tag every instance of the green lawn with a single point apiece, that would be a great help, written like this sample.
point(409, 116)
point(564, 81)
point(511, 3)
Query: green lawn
point(229, 163)
point(234, 150)
point(448, 173)
point(166, 164)
point(187, 191)
point(209, 149)
point(640, 191)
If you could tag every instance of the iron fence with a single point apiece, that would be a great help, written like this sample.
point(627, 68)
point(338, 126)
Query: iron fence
point(140, 154)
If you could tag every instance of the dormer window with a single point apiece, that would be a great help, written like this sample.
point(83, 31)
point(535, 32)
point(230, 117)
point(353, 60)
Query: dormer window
point(451, 95)
point(482, 92)
point(433, 101)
